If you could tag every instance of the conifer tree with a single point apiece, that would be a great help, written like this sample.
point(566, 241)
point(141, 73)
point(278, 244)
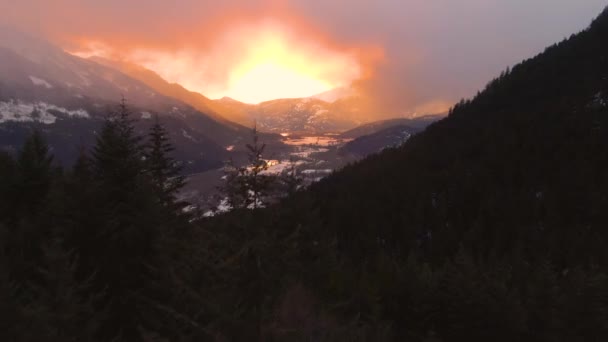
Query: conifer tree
point(248, 186)
point(164, 171)
point(7, 174)
point(34, 167)
point(117, 156)
point(234, 188)
point(27, 231)
point(258, 184)
point(81, 171)
point(124, 250)
point(290, 179)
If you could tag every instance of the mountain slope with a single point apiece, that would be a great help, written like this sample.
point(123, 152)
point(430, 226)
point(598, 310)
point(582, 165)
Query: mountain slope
point(393, 136)
point(301, 115)
point(418, 123)
point(68, 97)
point(489, 225)
point(173, 90)
point(535, 133)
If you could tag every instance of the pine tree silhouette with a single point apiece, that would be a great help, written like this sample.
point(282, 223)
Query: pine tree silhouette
point(164, 171)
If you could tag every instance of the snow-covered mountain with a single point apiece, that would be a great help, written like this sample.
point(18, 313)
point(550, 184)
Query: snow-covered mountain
point(67, 97)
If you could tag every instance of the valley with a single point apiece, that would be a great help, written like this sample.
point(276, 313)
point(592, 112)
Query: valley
point(313, 157)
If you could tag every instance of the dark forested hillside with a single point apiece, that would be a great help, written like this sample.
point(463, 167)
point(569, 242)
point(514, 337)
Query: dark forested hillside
point(488, 226)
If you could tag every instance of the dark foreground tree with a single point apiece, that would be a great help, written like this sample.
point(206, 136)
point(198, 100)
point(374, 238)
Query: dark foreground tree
point(248, 186)
point(165, 172)
point(123, 251)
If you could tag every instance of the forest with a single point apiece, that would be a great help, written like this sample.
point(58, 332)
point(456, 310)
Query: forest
point(488, 226)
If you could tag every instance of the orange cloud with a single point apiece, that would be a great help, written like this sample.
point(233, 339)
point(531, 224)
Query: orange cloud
point(408, 54)
point(248, 58)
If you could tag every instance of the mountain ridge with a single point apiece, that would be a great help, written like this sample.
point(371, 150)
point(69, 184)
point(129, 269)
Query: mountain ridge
point(312, 115)
point(41, 85)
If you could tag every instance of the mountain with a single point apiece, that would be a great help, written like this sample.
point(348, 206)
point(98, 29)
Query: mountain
point(376, 136)
point(534, 138)
point(174, 90)
point(67, 97)
point(489, 225)
point(299, 115)
point(393, 136)
point(335, 94)
point(323, 113)
point(417, 124)
point(302, 115)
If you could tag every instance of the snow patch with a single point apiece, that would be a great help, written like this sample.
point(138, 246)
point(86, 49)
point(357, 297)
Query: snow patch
point(319, 115)
point(223, 207)
point(276, 167)
point(18, 111)
point(316, 172)
point(188, 136)
point(599, 100)
point(40, 82)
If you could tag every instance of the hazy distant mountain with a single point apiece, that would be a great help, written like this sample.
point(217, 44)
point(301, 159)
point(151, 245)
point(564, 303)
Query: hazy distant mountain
point(67, 97)
point(301, 115)
point(332, 111)
point(417, 124)
point(393, 136)
point(335, 94)
point(376, 136)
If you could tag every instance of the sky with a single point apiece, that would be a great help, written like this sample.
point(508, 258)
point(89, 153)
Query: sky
point(405, 55)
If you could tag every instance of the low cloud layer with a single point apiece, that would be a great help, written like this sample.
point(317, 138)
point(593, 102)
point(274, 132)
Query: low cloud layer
point(408, 56)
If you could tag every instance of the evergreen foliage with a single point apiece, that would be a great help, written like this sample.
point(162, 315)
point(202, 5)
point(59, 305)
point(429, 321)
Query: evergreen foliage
point(164, 171)
point(247, 186)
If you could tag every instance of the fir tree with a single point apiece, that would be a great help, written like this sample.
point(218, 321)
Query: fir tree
point(124, 250)
point(290, 179)
point(165, 172)
point(258, 184)
point(8, 173)
point(234, 188)
point(248, 186)
point(34, 167)
point(117, 156)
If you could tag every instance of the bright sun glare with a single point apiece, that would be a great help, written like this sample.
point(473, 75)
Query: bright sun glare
point(275, 67)
point(267, 81)
point(251, 64)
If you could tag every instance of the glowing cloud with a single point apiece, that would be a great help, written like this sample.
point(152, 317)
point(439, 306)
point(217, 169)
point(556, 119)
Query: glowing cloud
point(410, 54)
point(252, 62)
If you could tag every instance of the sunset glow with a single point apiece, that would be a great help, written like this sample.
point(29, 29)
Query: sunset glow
point(251, 63)
point(277, 66)
point(271, 80)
